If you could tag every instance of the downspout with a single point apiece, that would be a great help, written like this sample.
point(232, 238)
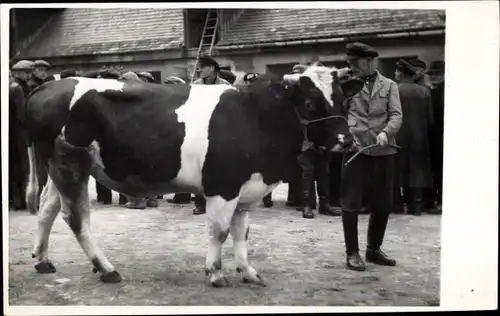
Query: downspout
point(330, 40)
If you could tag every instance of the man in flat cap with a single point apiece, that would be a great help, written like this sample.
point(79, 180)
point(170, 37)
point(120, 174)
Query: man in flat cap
point(40, 74)
point(414, 173)
point(436, 74)
point(374, 117)
point(209, 74)
point(146, 76)
point(21, 71)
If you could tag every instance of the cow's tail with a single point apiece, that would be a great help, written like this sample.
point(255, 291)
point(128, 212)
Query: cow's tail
point(32, 194)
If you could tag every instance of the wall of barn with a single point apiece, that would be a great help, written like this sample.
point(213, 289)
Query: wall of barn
point(261, 60)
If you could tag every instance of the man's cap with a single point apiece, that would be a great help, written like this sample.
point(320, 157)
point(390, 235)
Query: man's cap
point(147, 75)
point(359, 50)
point(418, 63)
point(68, 73)
point(208, 61)
point(23, 65)
point(41, 64)
point(406, 67)
point(299, 68)
point(227, 75)
point(173, 80)
point(436, 67)
point(130, 75)
point(249, 77)
point(108, 73)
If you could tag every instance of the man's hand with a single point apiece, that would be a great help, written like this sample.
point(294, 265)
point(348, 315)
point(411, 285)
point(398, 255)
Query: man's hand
point(382, 139)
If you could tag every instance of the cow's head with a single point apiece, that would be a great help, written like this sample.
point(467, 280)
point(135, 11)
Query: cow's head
point(319, 92)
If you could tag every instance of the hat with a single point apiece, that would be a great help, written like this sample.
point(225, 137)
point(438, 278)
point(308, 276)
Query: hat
point(130, 75)
point(68, 73)
point(109, 73)
point(145, 74)
point(41, 64)
point(227, 75)
point(418, 63)
point(249, 77)
point(173, 79)
point(360, 50)
point(299, 68)
point(406, 67)
point(23, 65)
point(208, 61)
point(436, 66)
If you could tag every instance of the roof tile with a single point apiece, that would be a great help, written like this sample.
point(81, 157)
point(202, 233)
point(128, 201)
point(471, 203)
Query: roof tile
point(89, 31)
point(272, 25)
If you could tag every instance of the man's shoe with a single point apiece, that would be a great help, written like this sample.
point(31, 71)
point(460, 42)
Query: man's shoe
point(199, 210)
point(326, 209)
point(140, 205)
point(354, 262)
point(379, 257)
point(307, 212)
point(152, 202)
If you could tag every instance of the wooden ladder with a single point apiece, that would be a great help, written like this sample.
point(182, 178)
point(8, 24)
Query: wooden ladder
point(207, 39)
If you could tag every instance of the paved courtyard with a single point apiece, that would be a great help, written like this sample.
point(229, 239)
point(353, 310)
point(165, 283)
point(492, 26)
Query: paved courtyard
point(160, 254)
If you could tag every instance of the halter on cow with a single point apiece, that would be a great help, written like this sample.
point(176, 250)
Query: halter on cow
point(231, 144)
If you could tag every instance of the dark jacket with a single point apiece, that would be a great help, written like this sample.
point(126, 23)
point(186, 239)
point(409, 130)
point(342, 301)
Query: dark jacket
point(17, 132)
point(414, 156)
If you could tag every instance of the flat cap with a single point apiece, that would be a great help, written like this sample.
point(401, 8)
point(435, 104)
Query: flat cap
point(41, 64)
point(436, 66)
point(68, 73)
point(23, 65)
point(208, 61)
point(406, 67)
point(130, 75)
point(147, 75)
point(227, 75)
point(418, 63)
point(360, 50)
point(299, 68)
point(173, 80)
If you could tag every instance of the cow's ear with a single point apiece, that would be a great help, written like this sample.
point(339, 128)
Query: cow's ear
point(352, 87)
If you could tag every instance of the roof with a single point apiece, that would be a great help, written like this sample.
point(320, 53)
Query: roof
point(277, 25)
point(92, 31)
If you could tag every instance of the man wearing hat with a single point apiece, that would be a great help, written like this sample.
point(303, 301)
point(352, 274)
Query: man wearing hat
point(374, 117)
point(40, 74)
point(21, 71)
point(436, 74)
point(413, 170)
point(146, 76)
point(209, 74)
point(419, 77)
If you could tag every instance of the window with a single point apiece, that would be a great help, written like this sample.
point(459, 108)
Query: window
point(387, 66)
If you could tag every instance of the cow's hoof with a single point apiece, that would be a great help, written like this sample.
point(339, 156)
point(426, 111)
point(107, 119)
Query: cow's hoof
point(94, 270)
point(220, 283)
point(111, 277)
point(45, 267)
point(258, 280)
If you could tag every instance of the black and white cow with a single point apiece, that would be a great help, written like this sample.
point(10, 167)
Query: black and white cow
point(231, 144)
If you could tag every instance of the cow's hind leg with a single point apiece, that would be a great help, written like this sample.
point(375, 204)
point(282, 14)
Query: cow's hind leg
point(239, 231)
point(219, 214)
point(70, 171)
point(50, 205)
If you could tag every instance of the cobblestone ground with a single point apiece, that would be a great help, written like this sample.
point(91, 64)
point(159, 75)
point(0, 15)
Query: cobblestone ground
point(160, 253)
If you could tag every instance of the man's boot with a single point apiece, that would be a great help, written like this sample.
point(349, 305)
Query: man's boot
point(350, 225)
point(200, 204)
point(376, 231)
point(293, 197)
point(305, 207)
point(323, 185)
point(136, 203)
point(180, 198)
point(268, 200)
point(152, 201)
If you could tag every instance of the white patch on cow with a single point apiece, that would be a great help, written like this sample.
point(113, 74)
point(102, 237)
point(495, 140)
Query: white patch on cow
point(196, 114)
point(85, 85)
point(57, 76)
point(95, 153)
point(254, 189)
point(321, 76)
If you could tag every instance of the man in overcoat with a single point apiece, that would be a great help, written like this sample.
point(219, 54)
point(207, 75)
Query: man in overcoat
point(414, 173)
point(374, 117)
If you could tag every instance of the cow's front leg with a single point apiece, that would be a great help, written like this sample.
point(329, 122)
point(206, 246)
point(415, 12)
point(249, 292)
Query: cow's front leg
point(239, 231)
point(219, 214)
